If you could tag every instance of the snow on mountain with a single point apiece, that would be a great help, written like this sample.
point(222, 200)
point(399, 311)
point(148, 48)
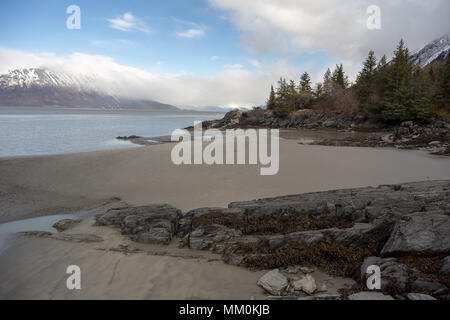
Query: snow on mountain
point(437, 49)
point(39, 87)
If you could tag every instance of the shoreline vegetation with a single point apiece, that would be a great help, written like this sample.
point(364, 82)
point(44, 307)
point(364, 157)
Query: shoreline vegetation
point(389, 91)
point(400, 104)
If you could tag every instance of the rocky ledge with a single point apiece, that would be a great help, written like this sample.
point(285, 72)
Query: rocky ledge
point(404, 229)
point(434, 137)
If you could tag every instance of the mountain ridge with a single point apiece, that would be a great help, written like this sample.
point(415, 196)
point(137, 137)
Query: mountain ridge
point(40, 87)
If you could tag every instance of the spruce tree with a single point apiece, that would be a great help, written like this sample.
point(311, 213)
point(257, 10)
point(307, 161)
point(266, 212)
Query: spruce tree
point(421, 104)
point(397, 92)
point(283, 99)
point(271, 103)
point(318, 92)
point(339, 78)
point(305, 83)
point(442, 96)
point(327, 84)
point(365, 82)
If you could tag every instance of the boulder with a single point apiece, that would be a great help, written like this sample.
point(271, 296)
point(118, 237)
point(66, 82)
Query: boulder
point(273, 282)
point(419, 296)
point(65, 224)
point(307, 270)
point(422, 232)
point(394, 275)
point(445, 267)
point(205, 238)
point(153, 224)
point(307, 284)
point(428, 287)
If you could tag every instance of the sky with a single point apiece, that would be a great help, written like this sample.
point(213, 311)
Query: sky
point(194, 53)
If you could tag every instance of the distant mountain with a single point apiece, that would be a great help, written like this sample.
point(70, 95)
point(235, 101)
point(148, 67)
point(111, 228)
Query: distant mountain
point(435, 50)
point(212, 109)
point(41, 87)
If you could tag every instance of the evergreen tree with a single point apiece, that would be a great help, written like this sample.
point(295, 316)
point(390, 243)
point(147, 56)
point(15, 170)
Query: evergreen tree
point(318, 92)
point(327, 84)
point(421, 107)
point(339, 78)
point(365, 82)
point(271, 103)
point(283, 99)
point(305, 83)
point(442, 96)
point(397, 92)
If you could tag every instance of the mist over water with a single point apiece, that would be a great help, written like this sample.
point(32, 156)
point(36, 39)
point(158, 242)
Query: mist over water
point(29, 131)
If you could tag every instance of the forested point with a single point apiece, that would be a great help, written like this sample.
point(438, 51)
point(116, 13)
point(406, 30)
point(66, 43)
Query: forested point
point(393, 91)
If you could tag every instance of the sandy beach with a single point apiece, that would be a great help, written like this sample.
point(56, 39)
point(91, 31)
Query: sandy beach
point(43, 185)
point(34, 268)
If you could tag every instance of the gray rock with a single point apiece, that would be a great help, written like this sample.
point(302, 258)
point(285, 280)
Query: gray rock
point(307, 270)
point(394, 275)
point(322, 287)
point(419, 296)
point(445, 267)
point(273, 282)
point(427, 286)
point(422, 232)
point(65, 224)
point(307, 237)
point(153, 224)
point(369, 295)
point(307, 284)
point(205, 239)
point(81, 238)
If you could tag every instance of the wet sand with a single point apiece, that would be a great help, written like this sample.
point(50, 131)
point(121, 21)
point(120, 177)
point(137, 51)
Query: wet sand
point(34, 268)
point(34, 186)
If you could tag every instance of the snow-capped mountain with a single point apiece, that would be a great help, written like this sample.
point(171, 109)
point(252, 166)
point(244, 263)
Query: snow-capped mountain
point(38, 87)
point(435, 50)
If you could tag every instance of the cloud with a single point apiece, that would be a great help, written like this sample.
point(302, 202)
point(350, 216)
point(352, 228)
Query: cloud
point(336, 26)
point(191, 33)
point(230, 87)
point(215, 58)
point(189, 30)
point(256, 64)
point(233, 66)
point(128, 23)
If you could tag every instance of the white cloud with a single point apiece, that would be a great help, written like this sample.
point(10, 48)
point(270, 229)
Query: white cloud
point(128, 23)
point(231, 87)
point(256, 64)
point(233, 66)
point(191, 33)
point(337, 26)
point(215, 58)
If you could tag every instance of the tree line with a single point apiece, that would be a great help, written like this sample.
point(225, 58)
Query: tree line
point(394, 91)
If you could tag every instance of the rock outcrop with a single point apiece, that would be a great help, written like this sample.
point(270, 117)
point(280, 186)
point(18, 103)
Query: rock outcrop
point(434, 137)
point(155, 224)
point(404, 229)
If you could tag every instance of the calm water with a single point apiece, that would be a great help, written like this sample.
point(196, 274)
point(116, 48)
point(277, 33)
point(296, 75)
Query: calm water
point(25, 131)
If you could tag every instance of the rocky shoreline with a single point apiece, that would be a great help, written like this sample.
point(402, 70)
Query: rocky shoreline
point(433, 137)
point(403, 229)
